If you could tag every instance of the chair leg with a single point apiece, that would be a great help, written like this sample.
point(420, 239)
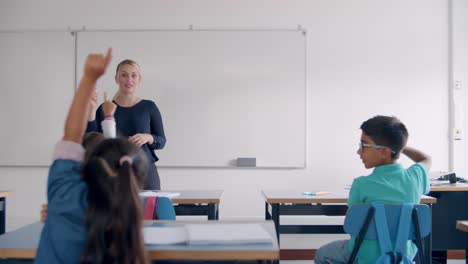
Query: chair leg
point(419, 240)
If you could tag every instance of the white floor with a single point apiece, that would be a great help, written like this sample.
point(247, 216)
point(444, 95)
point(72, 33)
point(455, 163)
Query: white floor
point(291, 241)
point(303, 241)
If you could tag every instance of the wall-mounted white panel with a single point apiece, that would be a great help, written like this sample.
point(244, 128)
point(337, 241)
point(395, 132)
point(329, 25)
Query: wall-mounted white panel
point(223, 94)
point(37, 74)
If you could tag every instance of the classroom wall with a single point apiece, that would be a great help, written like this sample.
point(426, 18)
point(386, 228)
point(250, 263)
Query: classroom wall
point(365, 57)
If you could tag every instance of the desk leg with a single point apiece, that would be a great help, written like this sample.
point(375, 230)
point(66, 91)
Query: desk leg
point(267, 261)
point(275, 214)
point(439, 256)
point(267, 212)
point(275, 261)
point(2, 214)
point(466, 248)
point(428, 244)
point(213, 212)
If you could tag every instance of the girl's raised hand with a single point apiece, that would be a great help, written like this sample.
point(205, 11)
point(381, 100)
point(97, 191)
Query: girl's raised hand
point(96, 65)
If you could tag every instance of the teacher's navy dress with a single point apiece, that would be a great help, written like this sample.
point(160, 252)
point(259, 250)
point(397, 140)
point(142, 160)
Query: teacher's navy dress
point(143, 117)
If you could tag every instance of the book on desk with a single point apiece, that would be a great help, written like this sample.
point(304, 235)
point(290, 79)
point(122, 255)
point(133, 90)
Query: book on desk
point(200, 234)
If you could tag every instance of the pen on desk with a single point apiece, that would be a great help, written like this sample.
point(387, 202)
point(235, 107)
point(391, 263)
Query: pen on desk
point(315, 193)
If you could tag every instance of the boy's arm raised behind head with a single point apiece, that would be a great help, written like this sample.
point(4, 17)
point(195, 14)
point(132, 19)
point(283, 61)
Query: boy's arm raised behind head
point(95, 66)
point(418, 156)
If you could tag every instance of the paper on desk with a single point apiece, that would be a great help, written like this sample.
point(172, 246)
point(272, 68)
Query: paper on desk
point(159, 194)
point(164, 235)
point(228, 234)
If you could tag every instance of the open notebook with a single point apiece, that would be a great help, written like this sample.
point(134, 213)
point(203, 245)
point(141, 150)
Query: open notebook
point(208, 234)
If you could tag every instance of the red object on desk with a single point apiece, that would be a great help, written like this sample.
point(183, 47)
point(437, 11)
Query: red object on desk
point(150, 207)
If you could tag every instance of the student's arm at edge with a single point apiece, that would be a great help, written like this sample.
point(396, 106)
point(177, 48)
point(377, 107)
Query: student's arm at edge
point(76, 120)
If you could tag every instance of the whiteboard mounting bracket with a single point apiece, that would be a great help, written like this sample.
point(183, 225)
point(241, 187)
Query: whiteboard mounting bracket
point(73, 31)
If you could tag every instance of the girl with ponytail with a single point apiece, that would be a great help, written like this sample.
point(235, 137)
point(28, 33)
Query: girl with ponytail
point(94, 212)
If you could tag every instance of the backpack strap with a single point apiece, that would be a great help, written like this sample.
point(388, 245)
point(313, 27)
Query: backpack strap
point(383, 234)
point(403, 230)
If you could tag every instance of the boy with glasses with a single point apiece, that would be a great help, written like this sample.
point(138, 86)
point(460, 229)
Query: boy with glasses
point(383, 138)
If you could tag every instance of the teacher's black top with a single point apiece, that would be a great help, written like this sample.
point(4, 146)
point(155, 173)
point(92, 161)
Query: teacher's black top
point(143, 117)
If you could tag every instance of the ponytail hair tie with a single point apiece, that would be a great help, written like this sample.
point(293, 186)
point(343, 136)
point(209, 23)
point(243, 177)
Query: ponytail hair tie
point(125, 158)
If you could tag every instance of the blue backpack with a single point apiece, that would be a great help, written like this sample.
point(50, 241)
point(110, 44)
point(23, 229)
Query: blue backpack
point(407, 222)
point(396, 254)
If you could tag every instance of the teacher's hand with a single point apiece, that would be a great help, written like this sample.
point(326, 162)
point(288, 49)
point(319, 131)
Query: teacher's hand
point(141, 139)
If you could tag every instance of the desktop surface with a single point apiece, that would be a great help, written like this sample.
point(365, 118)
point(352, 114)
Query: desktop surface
point(298, 197)
point(23, 243)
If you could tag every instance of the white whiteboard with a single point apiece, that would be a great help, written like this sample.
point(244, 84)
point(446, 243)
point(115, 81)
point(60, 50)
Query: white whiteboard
point(222, 94)
point(37, 76)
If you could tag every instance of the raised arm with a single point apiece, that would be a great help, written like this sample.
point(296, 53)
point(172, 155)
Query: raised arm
point(92, 106)
point(418, 156)
point(95, 66)
point(93, 114)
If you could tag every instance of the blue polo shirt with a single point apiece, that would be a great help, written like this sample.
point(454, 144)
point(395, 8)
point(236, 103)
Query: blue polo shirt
point(388, 184)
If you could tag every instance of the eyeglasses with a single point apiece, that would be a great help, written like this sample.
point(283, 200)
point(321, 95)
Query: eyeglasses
point(365, 145)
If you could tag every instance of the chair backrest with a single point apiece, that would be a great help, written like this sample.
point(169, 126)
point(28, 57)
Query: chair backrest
point(158, 208)
point(361, 223)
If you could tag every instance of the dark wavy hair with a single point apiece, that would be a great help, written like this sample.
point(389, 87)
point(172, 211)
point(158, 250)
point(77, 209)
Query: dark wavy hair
point(387, 131)
point(114, 216)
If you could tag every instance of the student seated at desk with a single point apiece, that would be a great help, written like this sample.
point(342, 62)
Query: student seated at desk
point(94, 213)
point(383, 138)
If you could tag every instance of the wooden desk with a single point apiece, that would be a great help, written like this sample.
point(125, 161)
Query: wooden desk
point(449, 187)
point(463, 226)
point(23, 243)
point(201, 202)
point(293, 202)
point(287, 202)
point(451, 206)
point(3, 196)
